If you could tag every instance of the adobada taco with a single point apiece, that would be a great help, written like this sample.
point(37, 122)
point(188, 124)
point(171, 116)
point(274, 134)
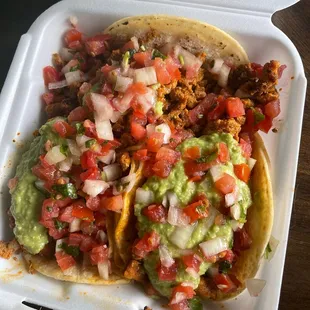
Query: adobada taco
point(205, 211)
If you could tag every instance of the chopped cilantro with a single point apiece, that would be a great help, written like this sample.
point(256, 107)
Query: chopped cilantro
point(195, 304)
point(90, 143)
point(66, 190)
point(224, 266)
point(156, 53)
point(59, 225)
point(64, 149)
point(201, 209)
point(49, 209)
point(95, 88)
point(80, 128)
point(70, 249)
point(75, 68)
point(207, 159)
point(131, 51)
point(258, 116)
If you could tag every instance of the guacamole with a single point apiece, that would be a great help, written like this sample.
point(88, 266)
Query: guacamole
point(205, 229)
point(26, 198)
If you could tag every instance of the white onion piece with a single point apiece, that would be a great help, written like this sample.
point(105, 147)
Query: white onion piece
point(213, 246)
point(135, 42)
point(165, 201)
point(218, 62)
point(232, 197)
point(73, 20)
point(223, 75)
point(74, 77)
point(241, 94)
point(122, 83)
point(103, 109)
point(66, 164)
point(192, 272)
point(147, 100)
point(54, 156)
point(130, 180)
point(112, 172)
point(69, 65)
point(143, 196)
point(123, 104)
point(80, 140)
point(59, 243)
point(57, 85)
point(65, 54)
point(145, 75)
point(112, 76)
point(150, 128)
point(102, 236)
point(181, 235)
point(190, 60)
point(235, 225)
point(165, 129)
point(165, 256)
point(103, 269)
point(115, 117)
point(94, 187)
point(109, 158)
point(216, 172)
point(178, 297)
point(104, 130)
point(73, 147)
point(75, 225)
point(209, 221)
point(235, 211)
point(255, 286)
point(177, 217)
point(173, 199)
point(251, 163)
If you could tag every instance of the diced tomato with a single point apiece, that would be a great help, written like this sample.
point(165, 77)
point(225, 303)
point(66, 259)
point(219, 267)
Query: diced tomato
point(137, 131)
point(155, 213)
point(148, 168)
point(149, 242)
point(73, 35)
point(83, 213)
point(99, 254)
point(193, 168)
point(265, 125)
point(272, 108)
point(137, 89)
point(257, 69)
point(167, 273)
point(242, 240)
point(50, 75)
point(141, 155)
point(96, 45)
point(66, 215)
point(179, 136)
point(234, 107)
point(151, 117)
point(128, 46)
point(111, 145)
point(63, 129)
point(187, 290)
point(162, 168)
point(91, 174)
point(64, 260)
point(168, 155)
point(114, 203)
point(173, 68)
point(163, 76)
point(88, 160)
point(44, 173)
point(106, 69)
point(193, 153)
point(224, 283)
point(142, 58)
point(100, 219)
point(225, 184)
point(75, 45)
point(139, 118)
point(182, 305)
point(195, 178)
point(48, 98)
point(280, 71)
point(223, 154)
point(229, 256)
point(87, 244)
point(57, 234)
point(155, 141)
point(246, 147)
point(192, 261)
point(242, 171)
point(107, 89)
point(218, 110)
point(49, 209)
point(197, 114)
point(197, 210)
point(93, 203)
point(79, 114)
point(76, 239)
point(88, 228)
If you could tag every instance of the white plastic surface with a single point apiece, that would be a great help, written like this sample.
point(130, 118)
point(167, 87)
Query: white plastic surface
point(21, 112)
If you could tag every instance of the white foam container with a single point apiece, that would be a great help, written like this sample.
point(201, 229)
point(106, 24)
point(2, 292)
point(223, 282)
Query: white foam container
point(21, 112)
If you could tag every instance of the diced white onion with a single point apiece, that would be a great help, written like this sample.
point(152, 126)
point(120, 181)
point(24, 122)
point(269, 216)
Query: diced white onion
point(218, 62)
point(130, 180)
point(102, 236)
point(255, 286)
point(150, 128)
point(74, 77)
point(57, 85)
point(145, 75)
point(192, 272)
point(112, 172)
point(209, 221)
point(144, 196)
point(232, 197)
point(213, 246)
point(103, 109)
point(216, 172)
point(59, 242)
point(251, 163)
point(94, 187)
point(80, 140)
point(75, 160)
point(73, 20)
point(165, 129)
point(122, 83)
point(223, 75)
point(69, 65)
point(123, 104)
point(165, 256)
point(235, 225)
point(190, 60)
point(177, 298)
point(173, 199)
point(103, 269)
point(66, 164)
point(75, 225)
point(181, 235)
point(65, 54)
point(135, 42)
point(104, 130)
point(109, 158)
point(177, 217)
point(73, 147)
point(54, 156)
point(147, 100)
point(112, 76)
point(115, 117)
point(235, 211)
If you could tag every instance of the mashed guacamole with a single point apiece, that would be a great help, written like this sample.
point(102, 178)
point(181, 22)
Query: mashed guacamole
point(205, 229)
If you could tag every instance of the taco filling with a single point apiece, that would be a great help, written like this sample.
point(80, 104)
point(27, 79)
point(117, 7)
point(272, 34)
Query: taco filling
point(169, 125)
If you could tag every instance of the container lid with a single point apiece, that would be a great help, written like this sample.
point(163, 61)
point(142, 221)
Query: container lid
point(253, 6)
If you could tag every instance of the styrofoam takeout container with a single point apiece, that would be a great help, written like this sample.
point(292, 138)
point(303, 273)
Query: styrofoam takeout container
point(21, 113)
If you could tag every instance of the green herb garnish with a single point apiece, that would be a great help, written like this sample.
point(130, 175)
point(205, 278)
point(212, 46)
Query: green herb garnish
point(207, 159)
point(126, 58)
point(66, 190)
point(258, 116)
point(59, 225)
point(156, 53)
point(181, 59)
point(195, 304)
point(64, 149)
point(49, 209)
point(224, 266)
point(79, 128)
point(90, 143)
point(70, 249)
point(75, 68)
